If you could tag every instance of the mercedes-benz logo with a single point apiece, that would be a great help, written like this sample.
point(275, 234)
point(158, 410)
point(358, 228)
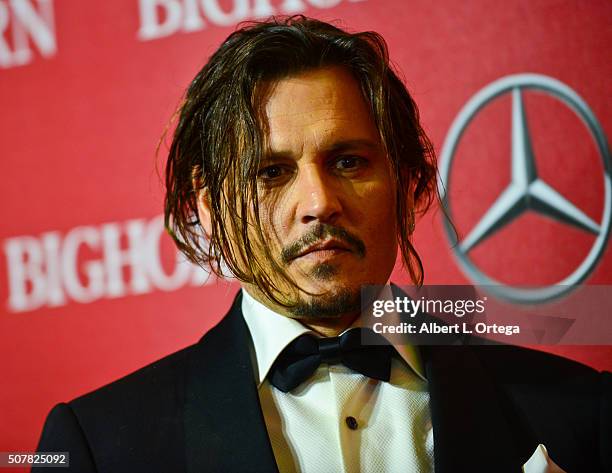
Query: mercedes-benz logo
point(526, 191)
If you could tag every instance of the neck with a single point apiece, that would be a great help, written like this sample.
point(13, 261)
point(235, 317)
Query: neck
point(329, 327)
point(326, 326)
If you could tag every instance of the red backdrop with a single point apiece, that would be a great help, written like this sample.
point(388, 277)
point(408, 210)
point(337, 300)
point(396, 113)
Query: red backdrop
point(90, 285)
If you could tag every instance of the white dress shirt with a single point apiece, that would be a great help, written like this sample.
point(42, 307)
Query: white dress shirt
point(340, 420)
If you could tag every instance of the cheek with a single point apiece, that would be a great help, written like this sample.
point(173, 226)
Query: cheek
point(383, 231)
point(274, 219)
point(379, 215)
point(378, 200)
point(380, 237)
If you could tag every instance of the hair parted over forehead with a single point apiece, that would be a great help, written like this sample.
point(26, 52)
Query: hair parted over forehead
point(221, 136)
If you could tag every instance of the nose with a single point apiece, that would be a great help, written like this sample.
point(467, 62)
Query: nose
point(317, 196)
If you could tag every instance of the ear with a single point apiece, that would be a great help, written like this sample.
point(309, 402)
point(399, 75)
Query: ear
point(203, 201)
point(204, 212)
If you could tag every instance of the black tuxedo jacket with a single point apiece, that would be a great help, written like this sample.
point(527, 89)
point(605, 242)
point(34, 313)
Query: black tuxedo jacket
point(198, 410)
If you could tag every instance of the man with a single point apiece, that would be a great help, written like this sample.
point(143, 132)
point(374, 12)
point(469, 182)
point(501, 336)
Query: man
point(299, 156)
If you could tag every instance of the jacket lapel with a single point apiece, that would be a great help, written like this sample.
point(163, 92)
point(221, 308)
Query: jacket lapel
point(224, 425)
point(474, 428)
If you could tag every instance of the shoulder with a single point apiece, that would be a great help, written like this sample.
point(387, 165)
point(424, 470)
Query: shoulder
point(518, 363)
point(135, 417)
point(554, 394)
point(136, 423)
point(532, 373)
point(118, 425)
point(155, 383)
point(161, 382)
point(529, 375)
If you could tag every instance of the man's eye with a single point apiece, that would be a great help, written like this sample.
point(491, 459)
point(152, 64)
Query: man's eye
point(272, 172)
point(349, 163)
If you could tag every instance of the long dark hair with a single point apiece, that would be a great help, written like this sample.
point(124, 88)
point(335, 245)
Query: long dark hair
point(220, 138)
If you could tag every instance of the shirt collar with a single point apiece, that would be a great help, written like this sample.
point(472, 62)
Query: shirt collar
point(271, 332)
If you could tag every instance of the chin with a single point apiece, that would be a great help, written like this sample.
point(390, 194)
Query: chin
point(333, 302)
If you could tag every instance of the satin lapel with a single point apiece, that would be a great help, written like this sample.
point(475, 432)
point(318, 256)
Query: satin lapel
point(474, 428)
point(224, 426)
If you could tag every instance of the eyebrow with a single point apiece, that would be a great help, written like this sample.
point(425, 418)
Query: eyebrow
point(333, 148)
point(352, 144)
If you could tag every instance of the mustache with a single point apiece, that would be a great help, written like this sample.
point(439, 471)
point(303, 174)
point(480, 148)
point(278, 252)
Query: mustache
point(319, 233)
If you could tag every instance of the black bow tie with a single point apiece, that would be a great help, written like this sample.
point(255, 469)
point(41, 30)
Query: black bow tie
point(299, 360)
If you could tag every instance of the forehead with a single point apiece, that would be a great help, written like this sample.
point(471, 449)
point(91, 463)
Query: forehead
point(316, 107)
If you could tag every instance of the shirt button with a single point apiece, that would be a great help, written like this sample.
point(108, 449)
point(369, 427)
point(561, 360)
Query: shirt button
point(351, 422)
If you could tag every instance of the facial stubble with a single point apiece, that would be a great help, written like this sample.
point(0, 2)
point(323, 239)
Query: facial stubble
point(331, 304)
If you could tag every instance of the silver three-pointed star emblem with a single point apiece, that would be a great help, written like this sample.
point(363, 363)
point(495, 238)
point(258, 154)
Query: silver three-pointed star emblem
point(526, 191)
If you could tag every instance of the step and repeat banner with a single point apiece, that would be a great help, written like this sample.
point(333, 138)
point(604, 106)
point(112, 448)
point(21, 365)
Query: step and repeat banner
point(515, 96)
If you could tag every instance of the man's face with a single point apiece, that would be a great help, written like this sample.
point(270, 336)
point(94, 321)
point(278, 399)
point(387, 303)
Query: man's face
point(326, 194)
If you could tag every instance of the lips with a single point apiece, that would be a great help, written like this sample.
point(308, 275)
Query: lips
point(328, 245)
point(326, 241)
